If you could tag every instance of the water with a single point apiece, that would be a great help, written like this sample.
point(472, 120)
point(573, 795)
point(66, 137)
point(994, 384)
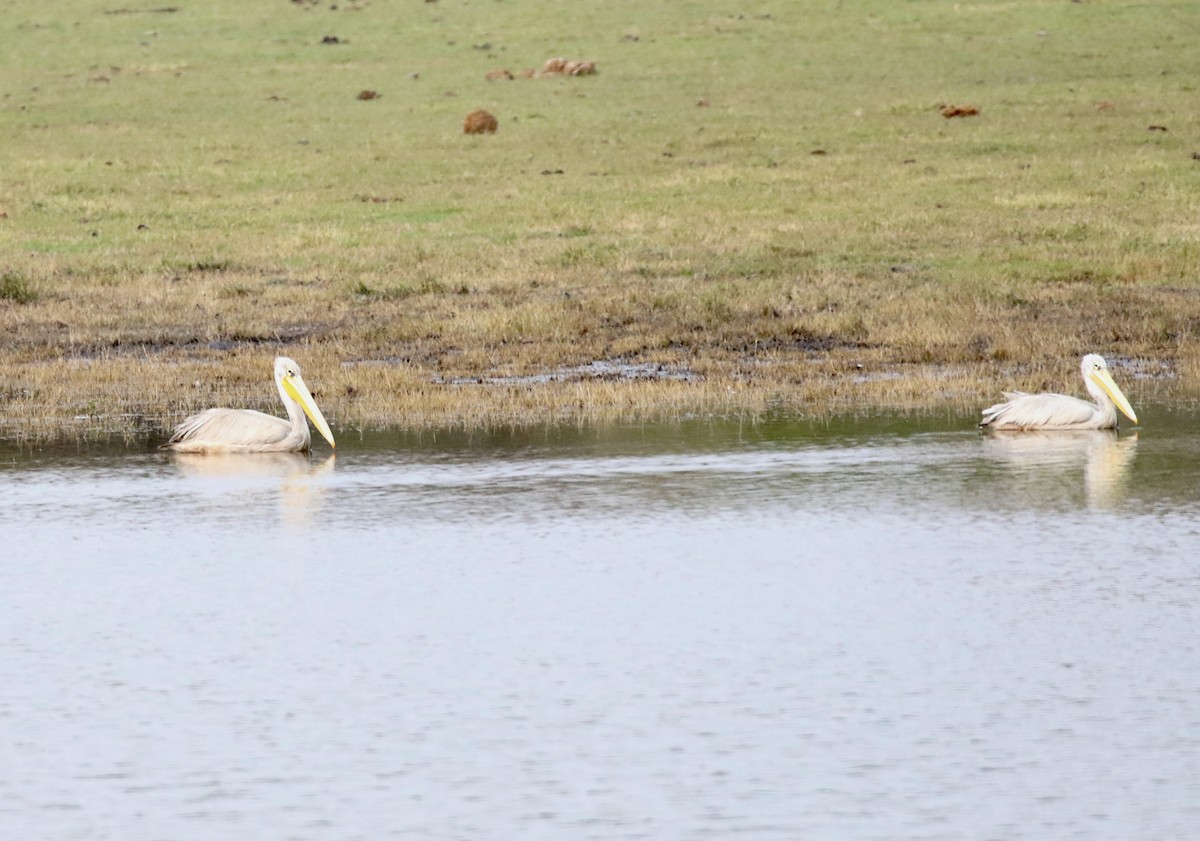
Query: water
point(873, 628)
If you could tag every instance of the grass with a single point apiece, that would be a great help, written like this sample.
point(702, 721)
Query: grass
point(17, 289)
point(769, 200)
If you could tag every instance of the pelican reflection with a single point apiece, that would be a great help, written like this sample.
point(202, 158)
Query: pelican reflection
point(1104, 457)
point(295, 476)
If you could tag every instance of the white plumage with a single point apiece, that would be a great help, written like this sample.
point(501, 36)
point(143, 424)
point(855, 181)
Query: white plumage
point(248, 431)
point(1060, 411)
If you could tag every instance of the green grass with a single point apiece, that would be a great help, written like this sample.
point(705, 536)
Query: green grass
point(732, 183)
point(16, 289)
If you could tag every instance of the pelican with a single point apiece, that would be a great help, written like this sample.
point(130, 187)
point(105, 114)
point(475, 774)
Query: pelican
point(247, 431)
point(1058, 411)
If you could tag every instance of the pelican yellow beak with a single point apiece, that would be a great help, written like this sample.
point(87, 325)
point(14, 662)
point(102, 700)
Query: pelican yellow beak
point(1103, 379)
point(294, 385)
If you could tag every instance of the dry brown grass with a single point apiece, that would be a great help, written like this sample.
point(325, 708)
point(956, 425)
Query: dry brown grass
point(143, 353)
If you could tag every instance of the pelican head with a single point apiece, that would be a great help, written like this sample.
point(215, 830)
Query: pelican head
point(1101, 386)
point(295, 394)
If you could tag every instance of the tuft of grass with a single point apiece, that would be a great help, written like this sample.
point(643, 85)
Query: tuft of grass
point(237, 290)
point(16, 288)
point(399, 291)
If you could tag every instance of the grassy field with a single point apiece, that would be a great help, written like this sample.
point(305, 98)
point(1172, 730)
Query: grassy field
point(747, 207)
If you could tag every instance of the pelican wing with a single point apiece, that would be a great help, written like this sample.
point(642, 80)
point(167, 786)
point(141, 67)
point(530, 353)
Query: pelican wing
point(1043, 411)
point(229, 430)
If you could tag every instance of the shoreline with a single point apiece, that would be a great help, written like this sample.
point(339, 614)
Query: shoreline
point(118, 397)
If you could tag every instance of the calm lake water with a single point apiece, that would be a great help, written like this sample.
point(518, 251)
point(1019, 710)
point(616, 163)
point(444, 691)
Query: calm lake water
point(869, 628)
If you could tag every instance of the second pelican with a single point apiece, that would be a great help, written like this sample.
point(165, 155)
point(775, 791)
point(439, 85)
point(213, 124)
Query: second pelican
point(1059, 411)
point(248, 431)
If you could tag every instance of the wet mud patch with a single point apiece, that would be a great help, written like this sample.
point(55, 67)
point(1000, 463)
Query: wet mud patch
point(602, 370)
point(798, 341)
point(1143, 369)
point(135, 346)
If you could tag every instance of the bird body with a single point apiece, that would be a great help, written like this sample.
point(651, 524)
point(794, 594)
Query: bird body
point(248, 431)
point(1061, 411)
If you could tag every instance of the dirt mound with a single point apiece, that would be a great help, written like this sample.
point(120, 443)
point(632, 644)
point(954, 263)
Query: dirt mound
point(565, 67)
point(949, 111)
point(479, 122)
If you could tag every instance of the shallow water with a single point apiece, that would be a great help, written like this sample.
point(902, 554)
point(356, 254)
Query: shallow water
point(869, 628)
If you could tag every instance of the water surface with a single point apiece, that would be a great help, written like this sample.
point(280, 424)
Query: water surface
point(868, 628)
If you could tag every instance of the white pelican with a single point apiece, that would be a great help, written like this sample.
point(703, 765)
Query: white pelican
point(247, 431)
point(1058, 411)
